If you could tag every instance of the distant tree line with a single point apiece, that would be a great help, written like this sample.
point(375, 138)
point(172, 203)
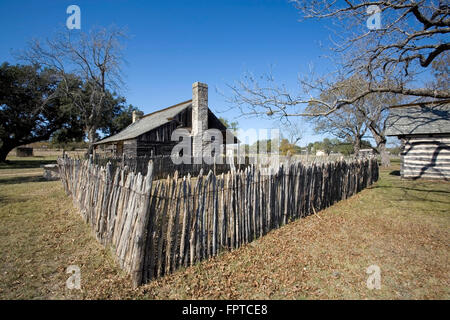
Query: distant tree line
point(328, 146)
point(335, 145)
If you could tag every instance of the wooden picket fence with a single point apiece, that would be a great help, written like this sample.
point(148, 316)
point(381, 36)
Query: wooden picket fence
point(164, 166)
point(155, 227)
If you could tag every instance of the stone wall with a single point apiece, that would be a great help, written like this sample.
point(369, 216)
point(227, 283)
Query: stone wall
point(199, 116)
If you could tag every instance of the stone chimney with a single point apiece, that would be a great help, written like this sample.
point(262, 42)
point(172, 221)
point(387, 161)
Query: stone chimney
point(136, 115)
point(199, 116)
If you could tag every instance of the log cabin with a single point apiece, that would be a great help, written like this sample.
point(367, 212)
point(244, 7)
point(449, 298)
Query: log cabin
point(150, 135)
point(424, 131)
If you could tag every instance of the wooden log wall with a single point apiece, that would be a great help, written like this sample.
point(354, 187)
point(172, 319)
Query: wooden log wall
point(163, 165)
point(426, 157)
point(179, 221)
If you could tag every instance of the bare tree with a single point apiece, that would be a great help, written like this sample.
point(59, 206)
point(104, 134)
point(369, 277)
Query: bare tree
point(292, 129)
point(352, 121)
point(441, 66)
point(95, 59)
point(347, 123)
point(413, 36)
point(376, 111)
point(293, 132)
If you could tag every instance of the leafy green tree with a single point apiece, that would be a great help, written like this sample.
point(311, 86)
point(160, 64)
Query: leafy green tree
point(261, 145)
point(287, 148)
point(122, 117)
point(345, 148)
point(32, 107)
point(327, 146)
point(233, 126)
point(335, 145)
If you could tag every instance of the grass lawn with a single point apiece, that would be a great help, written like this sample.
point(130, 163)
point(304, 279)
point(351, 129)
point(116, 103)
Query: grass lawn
point(401, 226)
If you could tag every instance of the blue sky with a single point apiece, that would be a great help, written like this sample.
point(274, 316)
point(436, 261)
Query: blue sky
point(175, 43)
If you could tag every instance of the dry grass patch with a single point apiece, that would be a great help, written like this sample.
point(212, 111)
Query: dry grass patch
point(401, 226)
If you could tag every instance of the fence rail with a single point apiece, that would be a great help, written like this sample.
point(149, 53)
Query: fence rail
point(154, 227)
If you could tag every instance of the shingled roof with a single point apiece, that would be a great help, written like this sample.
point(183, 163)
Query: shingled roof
point(419, 118)
point(147, 123)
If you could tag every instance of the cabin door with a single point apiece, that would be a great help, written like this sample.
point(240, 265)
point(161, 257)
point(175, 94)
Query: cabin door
point(119, 150)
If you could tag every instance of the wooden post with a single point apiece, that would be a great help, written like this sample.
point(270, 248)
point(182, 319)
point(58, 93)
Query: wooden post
point(141, 227)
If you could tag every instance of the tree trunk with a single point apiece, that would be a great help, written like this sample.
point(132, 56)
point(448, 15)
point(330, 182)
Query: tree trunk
point(91, 137)
point(385, 160)
point(4, 150)
point(3, 154)
point(380, 140)
point(357, 146)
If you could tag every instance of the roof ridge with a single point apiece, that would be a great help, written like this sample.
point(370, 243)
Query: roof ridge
point(175, 105)
point(133, 129)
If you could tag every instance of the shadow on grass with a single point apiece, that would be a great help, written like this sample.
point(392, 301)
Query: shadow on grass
point(395, 173)
point(22, 179)
point(25, 164)
point(412, 189)
point(407, 195)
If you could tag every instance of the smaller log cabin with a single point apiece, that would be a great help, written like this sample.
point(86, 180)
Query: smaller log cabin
point(150, 135)
point(424, 132)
